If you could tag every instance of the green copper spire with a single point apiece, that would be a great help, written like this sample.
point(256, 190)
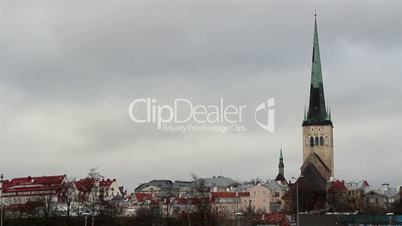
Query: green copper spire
point(317, 112)
point(316, 73)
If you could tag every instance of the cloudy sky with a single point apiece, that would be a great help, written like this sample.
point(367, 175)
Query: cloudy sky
point(69, 71)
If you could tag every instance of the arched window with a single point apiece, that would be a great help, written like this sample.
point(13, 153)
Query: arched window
point(306, 141)
point(321, 140)
point(311, 142)
point(326, 141)
point(316, 141)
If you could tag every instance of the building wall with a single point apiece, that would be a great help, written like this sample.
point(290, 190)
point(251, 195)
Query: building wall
point(260, 197)
point(373, 199)
point(355, 198)
point(324, 151)
point(112, 191)
point(22, 199)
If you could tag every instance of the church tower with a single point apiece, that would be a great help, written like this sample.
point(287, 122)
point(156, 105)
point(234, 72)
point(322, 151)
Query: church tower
point(317, 125)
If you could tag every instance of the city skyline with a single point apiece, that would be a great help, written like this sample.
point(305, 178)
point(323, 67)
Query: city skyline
point(67, 83)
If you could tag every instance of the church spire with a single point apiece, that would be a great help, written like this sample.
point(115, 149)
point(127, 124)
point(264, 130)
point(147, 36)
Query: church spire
point(316, 73)
point(281, 166)
point(317, 113)
point(281, 174)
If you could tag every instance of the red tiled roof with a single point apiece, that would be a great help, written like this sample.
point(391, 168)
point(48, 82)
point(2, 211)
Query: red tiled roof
point(33, 183)
point(86, 184)
point(106, 183)
point(216, 195)
point(186, 201)
point(337, 186)
point(141, 196)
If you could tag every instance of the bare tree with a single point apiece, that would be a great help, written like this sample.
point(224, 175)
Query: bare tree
point(94, 194)
point(94, 174)
point(69, 195)
point(203, 205)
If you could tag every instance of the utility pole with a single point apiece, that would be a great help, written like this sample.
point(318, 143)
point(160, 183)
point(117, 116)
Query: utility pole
point(297, 200)
point(297, 207)
point(1, 200)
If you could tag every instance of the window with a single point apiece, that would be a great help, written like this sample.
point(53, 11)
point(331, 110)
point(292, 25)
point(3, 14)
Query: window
point(321, 141)
point(316, 141)
point(311, 142)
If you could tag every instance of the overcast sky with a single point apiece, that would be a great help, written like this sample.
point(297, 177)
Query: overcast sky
point(70, 70)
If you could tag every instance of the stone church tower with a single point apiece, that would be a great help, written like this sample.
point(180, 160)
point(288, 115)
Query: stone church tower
point(317, 126)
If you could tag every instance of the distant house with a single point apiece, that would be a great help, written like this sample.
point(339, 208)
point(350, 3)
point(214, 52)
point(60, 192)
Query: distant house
point(278, 190)
point(109, 189)
point(362, 185)
point(356, 191)
point(165, 186)
point(229, 203)
point(215, 184)
point(90, 189)
point(337, 197)
point(383, 197)
point(373, 199)
point(260, 198)
point(391, 193)
point(156, 186)
point(219, 183)
point(33, 189)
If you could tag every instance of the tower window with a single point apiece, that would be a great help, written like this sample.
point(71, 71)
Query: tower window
point(321, 141)
point(311, 142)
point(316, 141)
